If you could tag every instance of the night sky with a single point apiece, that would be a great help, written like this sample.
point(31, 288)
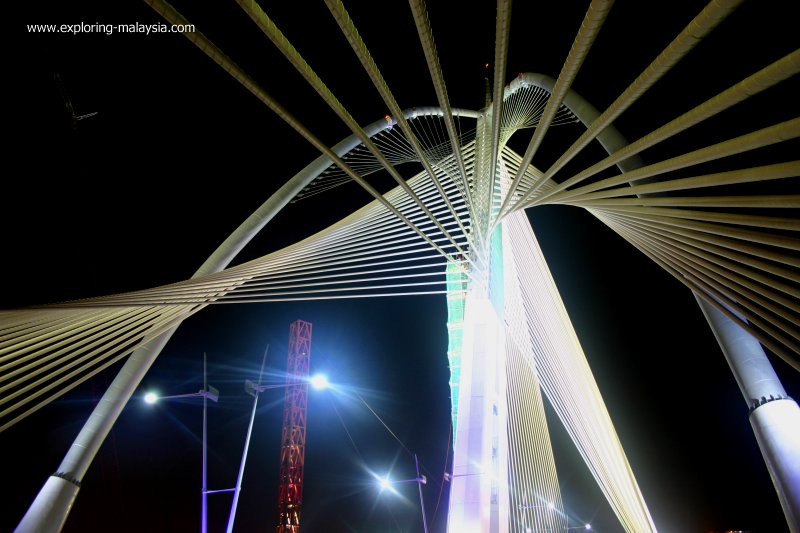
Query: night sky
point(179, 154)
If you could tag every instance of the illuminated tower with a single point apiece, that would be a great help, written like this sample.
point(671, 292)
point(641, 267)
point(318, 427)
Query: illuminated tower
point(293, 434)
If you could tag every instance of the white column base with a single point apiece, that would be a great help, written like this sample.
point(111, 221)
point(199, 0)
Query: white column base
point(776, 425)
point(48, 512)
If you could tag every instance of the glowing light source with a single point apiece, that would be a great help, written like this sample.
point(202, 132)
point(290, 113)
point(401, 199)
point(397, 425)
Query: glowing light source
point(151, 397)
point(320, 381)
point(587, 527)
point(550, 506)
point(384, 483)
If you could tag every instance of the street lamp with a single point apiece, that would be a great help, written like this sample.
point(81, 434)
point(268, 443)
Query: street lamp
point(211, 393)
point(550, 506)
point(318, 381)
point(207, 393)
point(450, 477)
point(420, 480)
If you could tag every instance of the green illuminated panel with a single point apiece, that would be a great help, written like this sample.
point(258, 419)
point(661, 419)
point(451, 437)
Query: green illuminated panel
point(456, 291)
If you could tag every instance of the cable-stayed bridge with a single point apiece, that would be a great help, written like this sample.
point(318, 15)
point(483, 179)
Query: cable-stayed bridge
point(720, 222)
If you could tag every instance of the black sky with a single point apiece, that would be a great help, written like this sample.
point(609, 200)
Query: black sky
point(179, 155)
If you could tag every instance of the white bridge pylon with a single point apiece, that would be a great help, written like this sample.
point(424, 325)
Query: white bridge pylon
point(511, 339)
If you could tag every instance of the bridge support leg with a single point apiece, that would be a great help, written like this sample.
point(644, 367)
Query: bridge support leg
point(479, 487)
point(50, 509)
point(774, 416)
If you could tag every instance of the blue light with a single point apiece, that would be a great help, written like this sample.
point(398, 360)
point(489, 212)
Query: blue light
point(320, 381)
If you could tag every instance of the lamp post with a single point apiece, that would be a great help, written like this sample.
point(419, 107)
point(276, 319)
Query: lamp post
point(207, 393)
point(419, 480)
point(318, 381)
point(254, 390)
point(550, 505)
point(385, 482)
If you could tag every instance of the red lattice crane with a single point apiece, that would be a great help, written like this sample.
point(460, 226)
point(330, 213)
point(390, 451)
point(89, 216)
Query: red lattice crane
point(293, 435)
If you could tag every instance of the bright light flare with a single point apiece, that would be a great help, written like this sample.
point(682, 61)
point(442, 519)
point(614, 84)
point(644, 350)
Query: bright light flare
point(151, 397)
point(384, 483)
point(320, 381)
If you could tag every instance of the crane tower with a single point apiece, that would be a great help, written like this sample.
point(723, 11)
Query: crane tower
point(293, 434)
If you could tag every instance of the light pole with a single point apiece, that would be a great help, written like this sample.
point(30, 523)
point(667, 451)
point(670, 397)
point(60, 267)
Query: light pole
point(207, 393)
point(550, 505)
point(449, 477)
point(385, 482)
point(250, 388)
point(318, 381)
point(419, 480)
